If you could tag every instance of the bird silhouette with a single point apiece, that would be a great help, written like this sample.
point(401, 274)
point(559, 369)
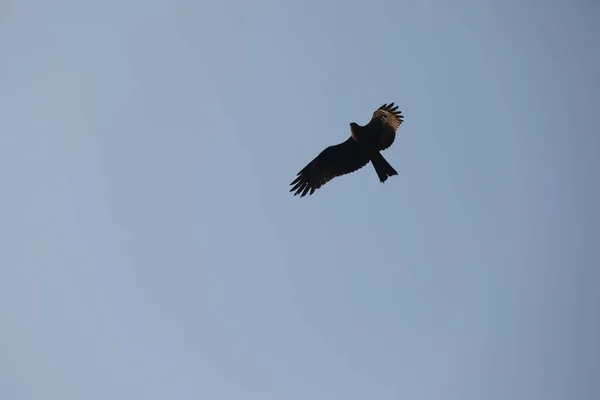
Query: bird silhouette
point(364, 144)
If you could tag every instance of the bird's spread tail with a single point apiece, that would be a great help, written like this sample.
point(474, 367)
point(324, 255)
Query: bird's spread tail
point(382, 167)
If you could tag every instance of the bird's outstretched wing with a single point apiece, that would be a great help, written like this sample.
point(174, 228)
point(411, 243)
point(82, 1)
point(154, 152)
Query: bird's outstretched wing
point(336, 160)
point(384, 123)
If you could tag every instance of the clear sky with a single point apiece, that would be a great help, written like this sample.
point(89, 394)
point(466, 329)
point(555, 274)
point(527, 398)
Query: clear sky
point(150, 248)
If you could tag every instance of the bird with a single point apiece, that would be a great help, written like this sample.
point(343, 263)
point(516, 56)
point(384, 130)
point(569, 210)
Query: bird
point(364, 144)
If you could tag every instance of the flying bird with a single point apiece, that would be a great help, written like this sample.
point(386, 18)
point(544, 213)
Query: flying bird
point(364, 144)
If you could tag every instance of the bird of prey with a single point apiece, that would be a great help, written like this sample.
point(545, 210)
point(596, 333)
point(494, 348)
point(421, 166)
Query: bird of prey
point(364, 144)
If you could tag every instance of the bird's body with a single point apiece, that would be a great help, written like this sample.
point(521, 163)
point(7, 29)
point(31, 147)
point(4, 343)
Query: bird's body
point(364, 144)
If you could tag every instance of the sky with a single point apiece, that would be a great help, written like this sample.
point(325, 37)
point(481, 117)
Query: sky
point(150, 249)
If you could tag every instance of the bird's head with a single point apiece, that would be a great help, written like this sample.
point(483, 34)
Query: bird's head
point(354, 130)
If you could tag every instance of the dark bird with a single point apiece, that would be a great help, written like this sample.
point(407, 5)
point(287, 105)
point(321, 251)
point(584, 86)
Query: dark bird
point(364, 144)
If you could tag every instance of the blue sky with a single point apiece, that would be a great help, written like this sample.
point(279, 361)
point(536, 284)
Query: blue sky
point(151, 250)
